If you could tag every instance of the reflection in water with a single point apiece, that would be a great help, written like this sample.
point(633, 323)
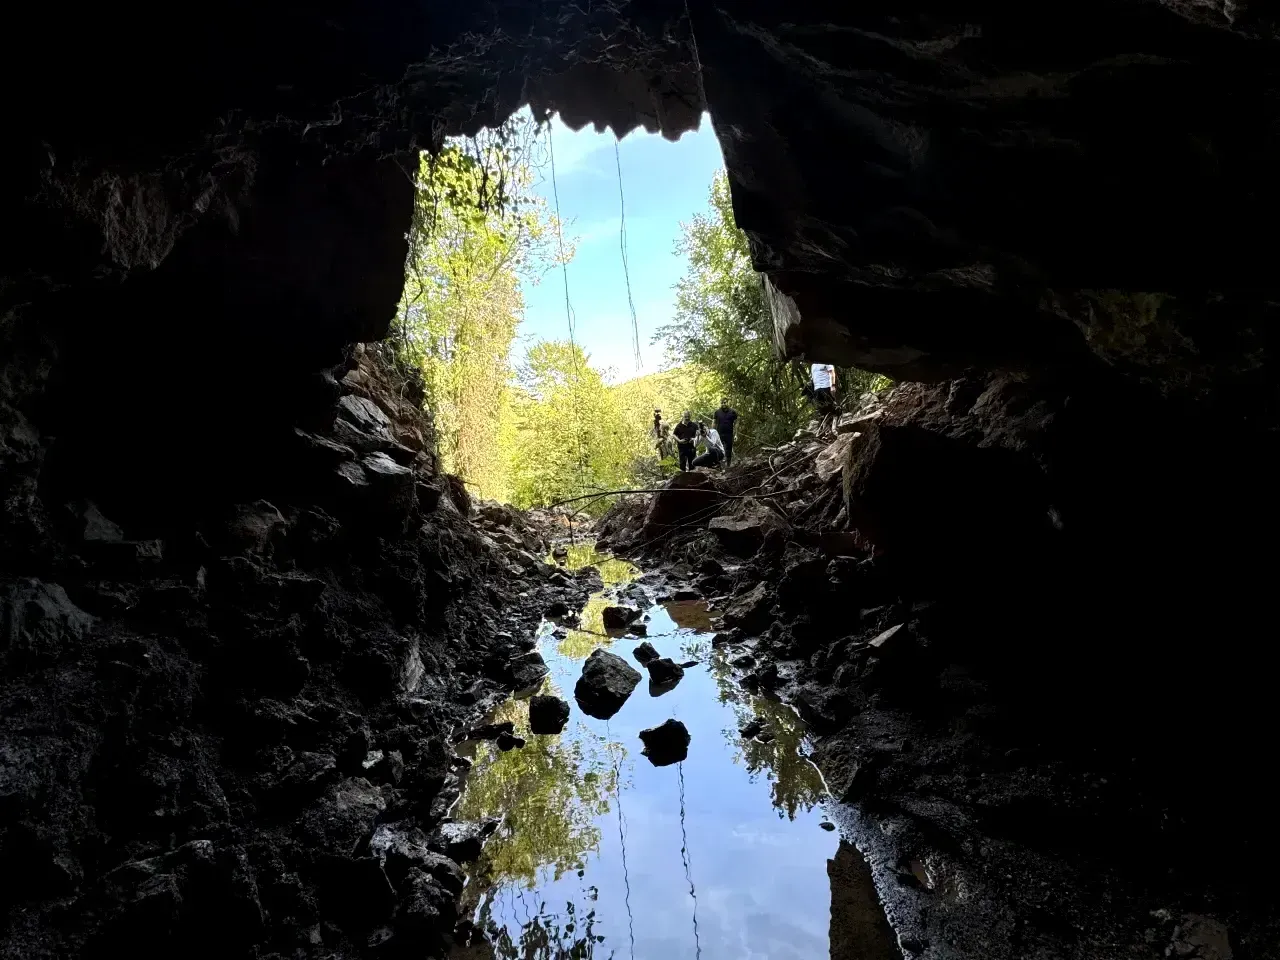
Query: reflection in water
point(550, 794)
point(796, 784)
point(688, 868)
point(578, 644)
point(597, 849)
point(859, 930)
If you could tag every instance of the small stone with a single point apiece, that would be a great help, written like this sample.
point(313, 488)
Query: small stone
point(827, 825)
point(666, 744)
point(547, 715)
point(646, 653)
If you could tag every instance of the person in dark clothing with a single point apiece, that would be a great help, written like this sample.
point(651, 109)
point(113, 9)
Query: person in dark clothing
point(726, 417)
point(686, 432)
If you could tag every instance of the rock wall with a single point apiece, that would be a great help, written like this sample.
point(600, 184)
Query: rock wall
point(1010, 671)
point(1056, 216)
point(206, 712)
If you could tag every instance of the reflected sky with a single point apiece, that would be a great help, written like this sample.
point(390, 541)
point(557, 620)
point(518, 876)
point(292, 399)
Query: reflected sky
point(602, 854)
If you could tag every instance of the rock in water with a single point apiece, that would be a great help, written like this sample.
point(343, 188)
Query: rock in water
point(646, 653)
point(527, 670)
point(666, 744)
point(547, 714)
point(509, 741)
point(606, 682)
point(664, 673)
point(615, 618)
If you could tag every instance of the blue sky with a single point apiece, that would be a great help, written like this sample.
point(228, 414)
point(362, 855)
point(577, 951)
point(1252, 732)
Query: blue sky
point(665, 183)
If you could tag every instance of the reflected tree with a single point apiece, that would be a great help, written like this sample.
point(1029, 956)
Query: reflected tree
point(796, 783)
point(549, 792)
point(590, 634)
point(545, 936)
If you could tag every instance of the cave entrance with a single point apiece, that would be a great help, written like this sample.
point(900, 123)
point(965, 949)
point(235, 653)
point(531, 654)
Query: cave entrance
point(549, 274)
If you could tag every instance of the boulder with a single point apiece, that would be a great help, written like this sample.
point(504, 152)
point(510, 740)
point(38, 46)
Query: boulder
point(749, 612)
point(457, 493)
point(742, 537)
point(616, 618)
point(665, 677)
point(95, 526)
point(527, 670)
point(401, 847)
point(389, 479)
point(645, 653)
point(606, 682)
point(39, 624)
point(666, 744)
point(664, 673)
point(689, 499)
point(250, 528)
point(547, 714)
point(461, 842)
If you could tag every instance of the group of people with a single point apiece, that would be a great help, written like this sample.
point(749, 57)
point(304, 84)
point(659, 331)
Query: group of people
point(717, 441)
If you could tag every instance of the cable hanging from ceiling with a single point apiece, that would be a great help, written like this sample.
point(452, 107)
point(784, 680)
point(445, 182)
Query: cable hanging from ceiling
point(626, 267)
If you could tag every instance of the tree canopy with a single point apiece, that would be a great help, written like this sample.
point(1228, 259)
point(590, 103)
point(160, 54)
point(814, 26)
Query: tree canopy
point(552, 426)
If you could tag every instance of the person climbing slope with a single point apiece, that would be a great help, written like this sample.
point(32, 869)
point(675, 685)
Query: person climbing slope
point(725, 418)
point(824, 385)
point(686, 432)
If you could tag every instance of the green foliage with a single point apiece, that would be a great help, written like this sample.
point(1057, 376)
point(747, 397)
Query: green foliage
point(548, 793)
point(569, 436)
point(478, 229)
point(724, 328)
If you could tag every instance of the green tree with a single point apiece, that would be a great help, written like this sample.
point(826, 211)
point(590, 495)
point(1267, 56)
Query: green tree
point(723, 327)
point(478, 230)
point(569, 437)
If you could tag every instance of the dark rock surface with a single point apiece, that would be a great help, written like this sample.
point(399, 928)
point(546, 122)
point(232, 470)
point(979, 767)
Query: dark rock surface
point(617, 618)
point(547, 715)
point(646, 653)
point(935, 654)
point(666, 743)
point(664, 674)
point(606, 682)
point(225, 580)
point(199, 739)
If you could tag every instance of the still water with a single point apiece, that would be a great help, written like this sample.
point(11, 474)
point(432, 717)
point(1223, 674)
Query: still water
point(601, 854)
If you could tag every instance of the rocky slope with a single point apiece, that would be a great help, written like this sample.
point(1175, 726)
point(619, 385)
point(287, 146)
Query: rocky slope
point(228, 736)
point(1022, 785)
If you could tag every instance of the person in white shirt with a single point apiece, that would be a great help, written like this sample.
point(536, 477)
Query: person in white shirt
point(714, 448)
point(824, 385)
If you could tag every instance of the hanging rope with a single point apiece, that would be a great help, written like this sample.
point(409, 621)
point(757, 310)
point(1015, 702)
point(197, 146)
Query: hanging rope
point(569, 316)
point(626, 267)
point(697, 59)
